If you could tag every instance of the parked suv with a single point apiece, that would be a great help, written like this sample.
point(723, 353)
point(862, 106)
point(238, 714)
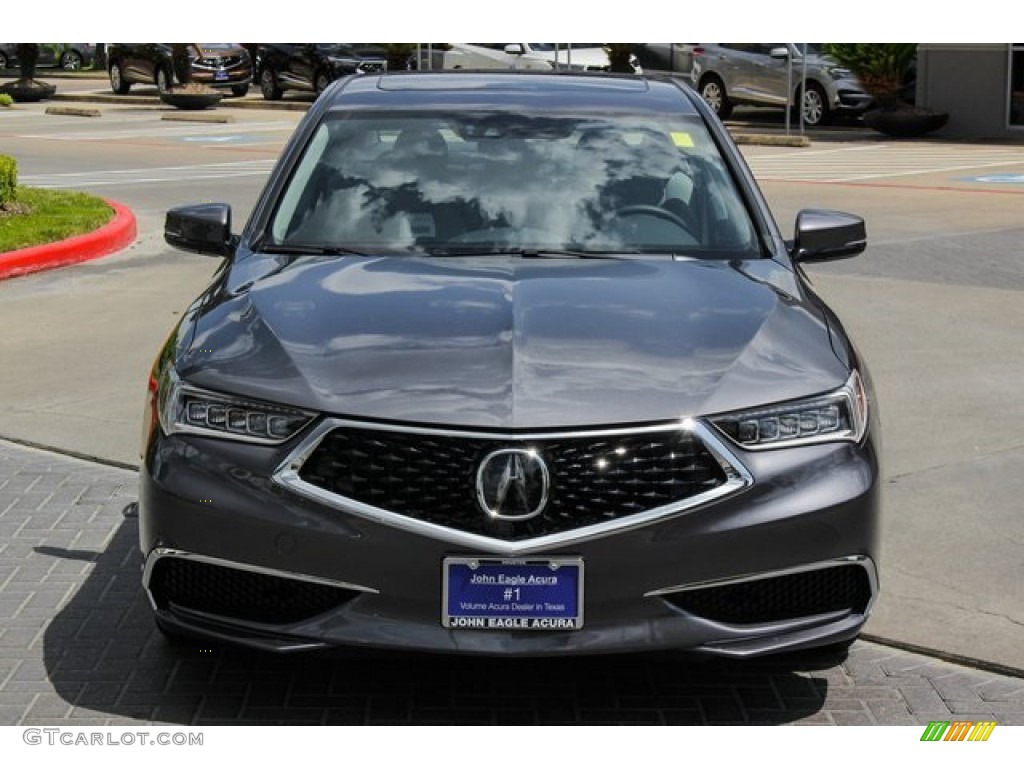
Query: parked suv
point(219, 65)
point(727, 74)
point(312, 66)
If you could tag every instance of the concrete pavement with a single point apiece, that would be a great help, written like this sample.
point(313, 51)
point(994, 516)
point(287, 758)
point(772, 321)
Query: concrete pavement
point(78, 648)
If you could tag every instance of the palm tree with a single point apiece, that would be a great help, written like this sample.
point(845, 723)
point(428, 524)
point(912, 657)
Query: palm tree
point(26, 87)
point(398, 55)
point(880, 67)
point(620, 56)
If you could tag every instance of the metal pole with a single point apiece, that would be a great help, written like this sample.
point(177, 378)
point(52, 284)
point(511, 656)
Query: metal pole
point(803, 84)
point(789, 89)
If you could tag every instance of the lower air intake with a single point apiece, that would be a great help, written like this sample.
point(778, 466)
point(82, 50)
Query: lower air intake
point(779, 598)
point(231, 593)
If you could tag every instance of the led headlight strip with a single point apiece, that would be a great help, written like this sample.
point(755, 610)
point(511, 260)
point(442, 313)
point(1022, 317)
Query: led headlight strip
point(841, 415)
point(188, 409)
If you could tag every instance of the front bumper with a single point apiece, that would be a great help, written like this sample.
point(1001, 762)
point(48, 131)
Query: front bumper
point(810, 511)
point(850, 98)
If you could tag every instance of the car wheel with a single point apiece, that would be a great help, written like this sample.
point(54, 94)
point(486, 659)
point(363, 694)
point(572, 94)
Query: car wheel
point(71, 60)
point(321, 82)
point(269, 86)
point(713, 92)
point(815, 105)
point(117, 82)
point(239, 90)
point(162, 80)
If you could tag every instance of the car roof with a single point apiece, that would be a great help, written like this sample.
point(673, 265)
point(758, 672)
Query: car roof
point(547, 91)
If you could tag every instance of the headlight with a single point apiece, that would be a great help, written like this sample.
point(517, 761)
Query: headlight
point(834, 417)
point(187, 409)
point(839, 73)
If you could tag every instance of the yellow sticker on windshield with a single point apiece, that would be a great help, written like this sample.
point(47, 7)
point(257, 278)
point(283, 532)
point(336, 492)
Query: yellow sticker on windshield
point(682, 139)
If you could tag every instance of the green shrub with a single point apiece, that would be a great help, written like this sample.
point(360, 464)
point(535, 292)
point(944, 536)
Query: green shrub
point(8, 179)
point(6, 100)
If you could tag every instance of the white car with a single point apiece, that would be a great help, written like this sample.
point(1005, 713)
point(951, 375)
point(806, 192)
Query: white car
point(583, 56)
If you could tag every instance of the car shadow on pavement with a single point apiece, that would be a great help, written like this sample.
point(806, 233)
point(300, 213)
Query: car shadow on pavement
point(106, 660)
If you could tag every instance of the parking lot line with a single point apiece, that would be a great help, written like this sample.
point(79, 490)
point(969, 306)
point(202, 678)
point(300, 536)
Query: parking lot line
point(168, 174)
point(874, 162)
point(152, 131)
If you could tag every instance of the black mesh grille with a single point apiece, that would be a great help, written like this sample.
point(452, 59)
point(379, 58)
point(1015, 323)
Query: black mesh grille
point(235, 594)
point(433, 478)
point(844, 587)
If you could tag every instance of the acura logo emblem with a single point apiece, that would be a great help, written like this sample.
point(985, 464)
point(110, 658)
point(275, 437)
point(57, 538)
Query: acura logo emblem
point(512, 484)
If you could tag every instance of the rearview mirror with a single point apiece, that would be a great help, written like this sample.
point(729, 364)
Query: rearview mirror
point(823, 235)
point(204, 228)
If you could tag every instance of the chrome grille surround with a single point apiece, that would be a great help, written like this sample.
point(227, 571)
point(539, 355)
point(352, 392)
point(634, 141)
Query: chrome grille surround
point(736, 479)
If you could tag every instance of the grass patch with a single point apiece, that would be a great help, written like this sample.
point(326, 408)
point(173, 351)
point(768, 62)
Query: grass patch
point(47, 215)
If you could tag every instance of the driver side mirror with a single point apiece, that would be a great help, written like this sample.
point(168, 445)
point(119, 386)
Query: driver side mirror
point(204, 228)
point(514, 49)
point(826, 235)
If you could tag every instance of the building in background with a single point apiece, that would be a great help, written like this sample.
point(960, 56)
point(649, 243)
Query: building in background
point(980, 85)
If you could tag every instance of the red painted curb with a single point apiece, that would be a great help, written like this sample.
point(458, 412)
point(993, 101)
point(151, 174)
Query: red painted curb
point(112, 236)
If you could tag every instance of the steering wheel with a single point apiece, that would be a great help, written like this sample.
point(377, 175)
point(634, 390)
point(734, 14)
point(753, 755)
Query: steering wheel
point(654, 210)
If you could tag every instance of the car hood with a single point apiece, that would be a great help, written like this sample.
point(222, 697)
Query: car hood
point(515, 343)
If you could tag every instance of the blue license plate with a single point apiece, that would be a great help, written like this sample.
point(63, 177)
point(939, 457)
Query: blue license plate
point(541, 594)
point(220, 75)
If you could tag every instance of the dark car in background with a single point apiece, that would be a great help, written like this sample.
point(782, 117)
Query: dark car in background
point(218, 65)
point(70, 56)
point(770, 75)
point(311, 67)
point(511, 363)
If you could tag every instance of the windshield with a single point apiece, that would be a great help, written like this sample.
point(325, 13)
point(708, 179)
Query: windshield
point(488, 182)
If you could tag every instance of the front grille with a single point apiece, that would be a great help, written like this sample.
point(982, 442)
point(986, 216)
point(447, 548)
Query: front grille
point(371, 66)
point(234, 594)
point(778, 598)
point(214, 62)
point(593, 479)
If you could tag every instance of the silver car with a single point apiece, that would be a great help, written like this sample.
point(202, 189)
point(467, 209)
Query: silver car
point(758, 74)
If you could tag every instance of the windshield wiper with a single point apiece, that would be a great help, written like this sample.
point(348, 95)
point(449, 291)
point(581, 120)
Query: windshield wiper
point(535, 253)
point(301, 249)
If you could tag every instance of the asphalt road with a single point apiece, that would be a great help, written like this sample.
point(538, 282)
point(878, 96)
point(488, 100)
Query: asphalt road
point(935, 305)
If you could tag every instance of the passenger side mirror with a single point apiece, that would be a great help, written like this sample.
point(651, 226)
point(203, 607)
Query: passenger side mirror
point(515, 49)
point(204, 228)
point(825, 235)
point(779, 53)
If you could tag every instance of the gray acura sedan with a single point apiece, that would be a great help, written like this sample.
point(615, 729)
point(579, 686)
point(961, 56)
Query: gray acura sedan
point(511, 363)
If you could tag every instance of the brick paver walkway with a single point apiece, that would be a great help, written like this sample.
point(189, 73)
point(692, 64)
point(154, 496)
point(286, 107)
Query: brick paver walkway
point(78, 647)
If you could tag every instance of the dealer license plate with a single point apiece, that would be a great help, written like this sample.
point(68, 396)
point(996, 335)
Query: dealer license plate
point(481, 593)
